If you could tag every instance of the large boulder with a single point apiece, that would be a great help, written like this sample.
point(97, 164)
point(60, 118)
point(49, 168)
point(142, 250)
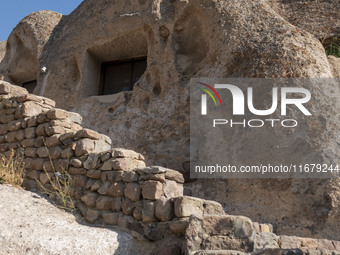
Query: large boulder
point(182, 40)
point(24, 45)
point(201, 38)
point(320, 18)
point(302, 207)
point(219, 233)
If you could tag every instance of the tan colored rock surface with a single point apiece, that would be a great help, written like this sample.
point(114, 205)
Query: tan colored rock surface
point(29, 224)
point(320, 18)
point(164, 210)
point(216, 232)
point(6, 88)
point(2, 49)
point(185, 206)
point(184, 39)
point(295, 207)
point(24, 45)
point(152, 190)
point(335, 65)
point(229, 39)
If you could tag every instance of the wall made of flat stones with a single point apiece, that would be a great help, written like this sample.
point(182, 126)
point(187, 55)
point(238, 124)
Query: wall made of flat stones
point(110, 186)
point(113, 186)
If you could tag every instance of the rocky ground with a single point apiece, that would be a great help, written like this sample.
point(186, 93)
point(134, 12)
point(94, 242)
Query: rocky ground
point(30, 224)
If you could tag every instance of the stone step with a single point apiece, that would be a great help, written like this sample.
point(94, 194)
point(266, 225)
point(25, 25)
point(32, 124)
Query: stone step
point(295, 252)
point(227, 234)
point(263, 227)
point(225, 252)
point(266, 240)
point(269, 252)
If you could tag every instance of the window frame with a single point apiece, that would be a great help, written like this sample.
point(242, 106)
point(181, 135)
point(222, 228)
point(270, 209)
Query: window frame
point(116, 62)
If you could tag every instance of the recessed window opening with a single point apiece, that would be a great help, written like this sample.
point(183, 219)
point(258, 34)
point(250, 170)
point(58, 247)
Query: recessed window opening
point(118, 76)
point(29, 85)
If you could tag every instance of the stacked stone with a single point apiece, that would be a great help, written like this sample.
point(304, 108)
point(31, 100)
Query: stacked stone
point(16, 125)
point(271, 242)
point(227, 234)
point(115, 187)
point(217, 233)
point(47, 137)
point(110, 186)
point(263, 228)
point(121, 190)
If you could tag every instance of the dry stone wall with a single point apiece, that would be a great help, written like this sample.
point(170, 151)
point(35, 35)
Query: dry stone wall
point(110, 186)
point(181, 40)
point(184, 39)
point(237, 235)
point(115, 187)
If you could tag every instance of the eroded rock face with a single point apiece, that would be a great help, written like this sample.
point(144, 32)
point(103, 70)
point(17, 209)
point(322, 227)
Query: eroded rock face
point(36, 226)
point(2, 49)
point(181, 40)
point(217, 232)
point(199, 38)
point(298, 207)
point(24, 45)
point(320, 18)
point(335, 65)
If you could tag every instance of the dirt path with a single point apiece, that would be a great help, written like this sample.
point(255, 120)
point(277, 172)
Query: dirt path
point(29, 224)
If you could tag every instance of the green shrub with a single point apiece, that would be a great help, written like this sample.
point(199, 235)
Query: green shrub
point(332, 46)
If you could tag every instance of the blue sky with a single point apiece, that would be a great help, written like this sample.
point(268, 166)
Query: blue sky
point(12, 11)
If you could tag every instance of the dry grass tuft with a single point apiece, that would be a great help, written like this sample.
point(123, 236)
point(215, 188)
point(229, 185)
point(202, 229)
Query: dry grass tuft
point(12, 169)
point(58, 187)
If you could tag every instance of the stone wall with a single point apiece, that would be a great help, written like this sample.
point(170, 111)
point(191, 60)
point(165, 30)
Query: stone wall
point(115, 187)
point(237, 235)
point(229, 39)
point(185, 39)
point(110, 186)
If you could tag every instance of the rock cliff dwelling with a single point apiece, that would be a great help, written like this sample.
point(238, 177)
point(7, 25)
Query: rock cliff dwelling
point(115, 74)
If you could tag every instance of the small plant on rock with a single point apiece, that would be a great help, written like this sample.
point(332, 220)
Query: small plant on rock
point(59, 189)
point(332, 46)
